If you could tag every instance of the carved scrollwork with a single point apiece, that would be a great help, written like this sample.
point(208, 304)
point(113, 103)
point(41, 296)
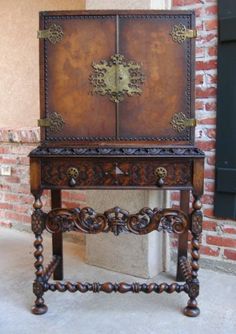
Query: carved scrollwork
point(116, 220)
point(38, 289)
point(197, 222)
point(193, 289)
point(37, 221)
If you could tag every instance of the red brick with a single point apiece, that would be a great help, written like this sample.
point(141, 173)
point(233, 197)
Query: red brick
point(12, 179)
point(71, 204)
point(211, 160)
point(206, 250)
point(5, 206)
point(205, 65)
point(207, 199)
point(208, 212)
point(211, 133)
point(212, 51)
point(78, 196)
point(202, 92)
point(206, 145)
point(209, 39)
point(210, 106)
point(209, 173)
point(8, 161)
point(220, 241)
point(175, 196)
point(211, 10)
point(186, 2)
point(18, 217)
point(200, 52)
point(230, 230)
point(211, 79)
point(199, 105)
point(211, 24)
point(209, 225)
point(208, 120)
point(199, 79)
point(12, 197)
point(230, 254)
point(209, 186)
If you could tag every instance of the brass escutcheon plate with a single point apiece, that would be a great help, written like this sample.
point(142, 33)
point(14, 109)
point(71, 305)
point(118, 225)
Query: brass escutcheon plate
point(72, 172)
point(160, 172)
point(116, 78)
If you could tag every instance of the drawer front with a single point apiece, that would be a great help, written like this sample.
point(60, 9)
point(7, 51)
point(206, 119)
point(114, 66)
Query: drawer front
point(95, 173)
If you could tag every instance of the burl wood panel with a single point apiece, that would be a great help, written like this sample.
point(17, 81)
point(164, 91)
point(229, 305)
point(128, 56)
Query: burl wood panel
point(103, 173)
point(69, 65)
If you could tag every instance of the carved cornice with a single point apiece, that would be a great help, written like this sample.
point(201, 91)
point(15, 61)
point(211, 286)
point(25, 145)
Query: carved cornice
point(116, 220)
point(117, 151)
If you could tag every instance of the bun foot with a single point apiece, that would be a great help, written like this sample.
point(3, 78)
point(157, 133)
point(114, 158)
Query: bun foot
point(40, 309)
point(191, 311)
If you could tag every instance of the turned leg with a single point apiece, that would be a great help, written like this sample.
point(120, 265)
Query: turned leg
point(192, 309)
point(183, 238)
point(57, 241)
point(38, 285)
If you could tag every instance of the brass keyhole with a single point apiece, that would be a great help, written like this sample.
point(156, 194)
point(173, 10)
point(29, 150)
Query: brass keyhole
point(160, 173)
point(72, 172)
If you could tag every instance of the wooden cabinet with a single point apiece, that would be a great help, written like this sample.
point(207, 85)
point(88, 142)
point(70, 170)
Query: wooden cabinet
point(117, 112)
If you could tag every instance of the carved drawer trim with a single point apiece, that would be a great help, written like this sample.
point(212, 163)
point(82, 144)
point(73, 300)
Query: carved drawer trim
point(116, 173)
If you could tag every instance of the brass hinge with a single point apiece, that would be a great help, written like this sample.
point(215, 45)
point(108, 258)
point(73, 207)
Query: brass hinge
point(180, 122)
point(55, 122)
point(180, 33)
point(54, 33)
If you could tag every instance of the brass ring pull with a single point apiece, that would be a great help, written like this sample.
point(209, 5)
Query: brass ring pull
point(72, 174)
point(160, 173)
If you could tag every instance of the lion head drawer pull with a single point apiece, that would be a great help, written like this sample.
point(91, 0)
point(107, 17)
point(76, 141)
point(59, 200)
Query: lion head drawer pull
point(160, 173)
point(72, 174)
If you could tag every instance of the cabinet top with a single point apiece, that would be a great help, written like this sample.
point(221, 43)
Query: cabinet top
point(111, 78)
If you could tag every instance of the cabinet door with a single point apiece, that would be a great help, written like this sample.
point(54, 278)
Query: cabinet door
point(125, 77)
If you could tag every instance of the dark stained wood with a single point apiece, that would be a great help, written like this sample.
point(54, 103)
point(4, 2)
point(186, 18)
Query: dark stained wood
point(116, 220)
point(65, 69)
point(104, 145)
point(183, 238)
point(113, 173)
point(57, 238)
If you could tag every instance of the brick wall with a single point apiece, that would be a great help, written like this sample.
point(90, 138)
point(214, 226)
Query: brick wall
point(219, 236)
point(15, 198)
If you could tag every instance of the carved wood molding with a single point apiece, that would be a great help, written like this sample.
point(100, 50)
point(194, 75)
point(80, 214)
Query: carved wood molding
point(118, 151)
point(116, 220)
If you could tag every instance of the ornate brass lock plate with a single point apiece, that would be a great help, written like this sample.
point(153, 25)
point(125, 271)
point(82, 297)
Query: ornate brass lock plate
point(116, 78)
point(54, 33)
point(180, 122)
point(180, 33)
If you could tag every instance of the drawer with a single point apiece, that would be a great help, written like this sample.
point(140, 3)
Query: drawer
point(116, 173)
